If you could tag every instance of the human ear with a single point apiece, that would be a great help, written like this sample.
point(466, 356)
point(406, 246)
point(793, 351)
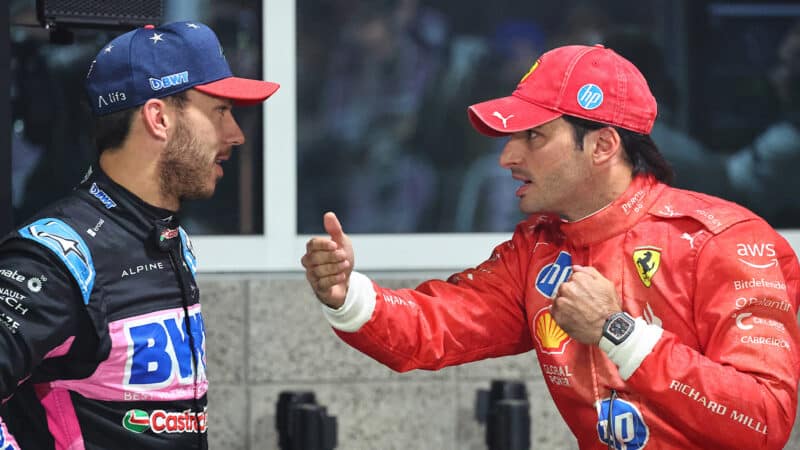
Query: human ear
point(156, 118)
point(607, 145)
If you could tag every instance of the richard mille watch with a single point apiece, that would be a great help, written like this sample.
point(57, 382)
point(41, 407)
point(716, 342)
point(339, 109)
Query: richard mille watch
point(618, 327)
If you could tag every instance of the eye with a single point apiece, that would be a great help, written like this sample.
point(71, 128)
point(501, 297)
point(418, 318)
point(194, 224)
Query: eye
point(532, 134)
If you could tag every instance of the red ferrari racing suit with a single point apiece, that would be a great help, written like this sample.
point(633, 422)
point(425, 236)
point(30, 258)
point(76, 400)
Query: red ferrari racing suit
point(714, 358)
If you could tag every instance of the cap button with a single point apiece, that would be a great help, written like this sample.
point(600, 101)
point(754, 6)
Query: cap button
point(149, 27)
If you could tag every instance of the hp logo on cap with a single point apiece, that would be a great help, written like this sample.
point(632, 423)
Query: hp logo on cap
point(590, 96)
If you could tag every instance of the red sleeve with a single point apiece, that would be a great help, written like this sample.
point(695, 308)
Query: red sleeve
point(740, 389)
point(478, 313)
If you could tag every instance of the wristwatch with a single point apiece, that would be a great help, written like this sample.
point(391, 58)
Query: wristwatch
point(618, 327)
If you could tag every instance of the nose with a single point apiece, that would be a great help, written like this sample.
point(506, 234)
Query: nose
point(510, 156)
point(233, 133)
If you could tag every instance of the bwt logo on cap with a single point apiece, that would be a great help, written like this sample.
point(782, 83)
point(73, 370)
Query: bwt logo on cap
point(168, 81)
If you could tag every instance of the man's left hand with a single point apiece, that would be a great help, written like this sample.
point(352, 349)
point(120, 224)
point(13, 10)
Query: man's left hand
point(583, 304)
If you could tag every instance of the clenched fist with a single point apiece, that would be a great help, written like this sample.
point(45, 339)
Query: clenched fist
point(583, 304)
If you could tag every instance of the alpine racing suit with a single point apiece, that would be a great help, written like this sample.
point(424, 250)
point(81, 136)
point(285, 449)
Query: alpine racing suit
point(101, 336)
point(714, 358)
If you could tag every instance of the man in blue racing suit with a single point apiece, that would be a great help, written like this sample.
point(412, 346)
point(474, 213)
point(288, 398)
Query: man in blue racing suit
point(102, 339)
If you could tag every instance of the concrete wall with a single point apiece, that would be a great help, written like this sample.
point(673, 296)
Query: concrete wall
point(265, 334)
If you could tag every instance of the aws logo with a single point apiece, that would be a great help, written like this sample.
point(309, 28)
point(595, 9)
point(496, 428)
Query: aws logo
point(754, 255)
point(551, 338)
point(647, 260)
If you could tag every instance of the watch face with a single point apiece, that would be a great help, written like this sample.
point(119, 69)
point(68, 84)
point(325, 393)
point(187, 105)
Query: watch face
point(619, 327)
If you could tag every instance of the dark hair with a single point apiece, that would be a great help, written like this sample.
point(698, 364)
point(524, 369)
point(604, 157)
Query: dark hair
point(111, 130)
point(640, 150)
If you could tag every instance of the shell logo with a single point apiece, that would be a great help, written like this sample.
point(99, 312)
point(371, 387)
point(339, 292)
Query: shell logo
point(551, 338)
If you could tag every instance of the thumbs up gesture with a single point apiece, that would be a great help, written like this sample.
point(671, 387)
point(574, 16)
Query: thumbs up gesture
point(329, 262)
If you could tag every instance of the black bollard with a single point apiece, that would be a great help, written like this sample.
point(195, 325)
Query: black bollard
point(312, 428)
point(497, 429)
point(512, 425)
point(286, 400)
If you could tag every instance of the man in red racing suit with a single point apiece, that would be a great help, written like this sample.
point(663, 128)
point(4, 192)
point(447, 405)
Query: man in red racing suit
point(677, 308)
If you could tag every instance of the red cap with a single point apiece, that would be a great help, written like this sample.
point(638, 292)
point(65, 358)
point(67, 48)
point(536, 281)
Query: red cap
point(592, 83)
point(243, 91)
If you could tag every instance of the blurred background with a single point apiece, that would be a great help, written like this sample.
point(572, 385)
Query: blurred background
point(382, 89)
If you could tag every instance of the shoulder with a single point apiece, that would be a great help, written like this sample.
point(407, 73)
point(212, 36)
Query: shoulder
point(714, 214)
point(57, 230)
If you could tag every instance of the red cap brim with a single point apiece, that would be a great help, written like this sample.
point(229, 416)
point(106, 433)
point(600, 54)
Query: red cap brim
point(506, 115)
point(243, 91)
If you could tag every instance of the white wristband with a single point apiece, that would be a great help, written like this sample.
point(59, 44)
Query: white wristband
point(358, 306)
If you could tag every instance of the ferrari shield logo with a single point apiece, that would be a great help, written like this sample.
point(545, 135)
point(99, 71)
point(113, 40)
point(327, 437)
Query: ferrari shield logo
point(647, 261)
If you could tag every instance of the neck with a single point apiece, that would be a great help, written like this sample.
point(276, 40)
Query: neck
point(138, 174)
point(601, 191)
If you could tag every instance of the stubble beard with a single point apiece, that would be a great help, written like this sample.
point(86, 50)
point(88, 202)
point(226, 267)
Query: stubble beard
point(183, 170)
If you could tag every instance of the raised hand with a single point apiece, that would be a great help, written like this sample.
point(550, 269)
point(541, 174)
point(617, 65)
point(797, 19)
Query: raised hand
point(328, 262)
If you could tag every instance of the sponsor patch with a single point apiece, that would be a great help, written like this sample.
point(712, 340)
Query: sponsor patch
point(628, 430)
point(780, 305)
point(552, 275)
point(647, 261)
point(168, 233)
point(135, 270)
point(12, 275)
point(13, 300)
point(757, 255)
point(159, 351)
point(552, 339)
point(188, 251)
point(7, 441)
point(176, 79)
point(759, 283)
point(62, 240)
point(590, 96)
point(557, 374)
point(747, 321)
point(160, 421)
point(634, 204)
point(102, 196)
point(34, 283)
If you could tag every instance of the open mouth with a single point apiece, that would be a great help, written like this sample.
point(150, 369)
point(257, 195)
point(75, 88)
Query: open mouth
point(526, 182)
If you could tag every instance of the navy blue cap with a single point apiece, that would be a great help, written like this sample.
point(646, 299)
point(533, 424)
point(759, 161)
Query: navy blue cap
point(154, 62)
